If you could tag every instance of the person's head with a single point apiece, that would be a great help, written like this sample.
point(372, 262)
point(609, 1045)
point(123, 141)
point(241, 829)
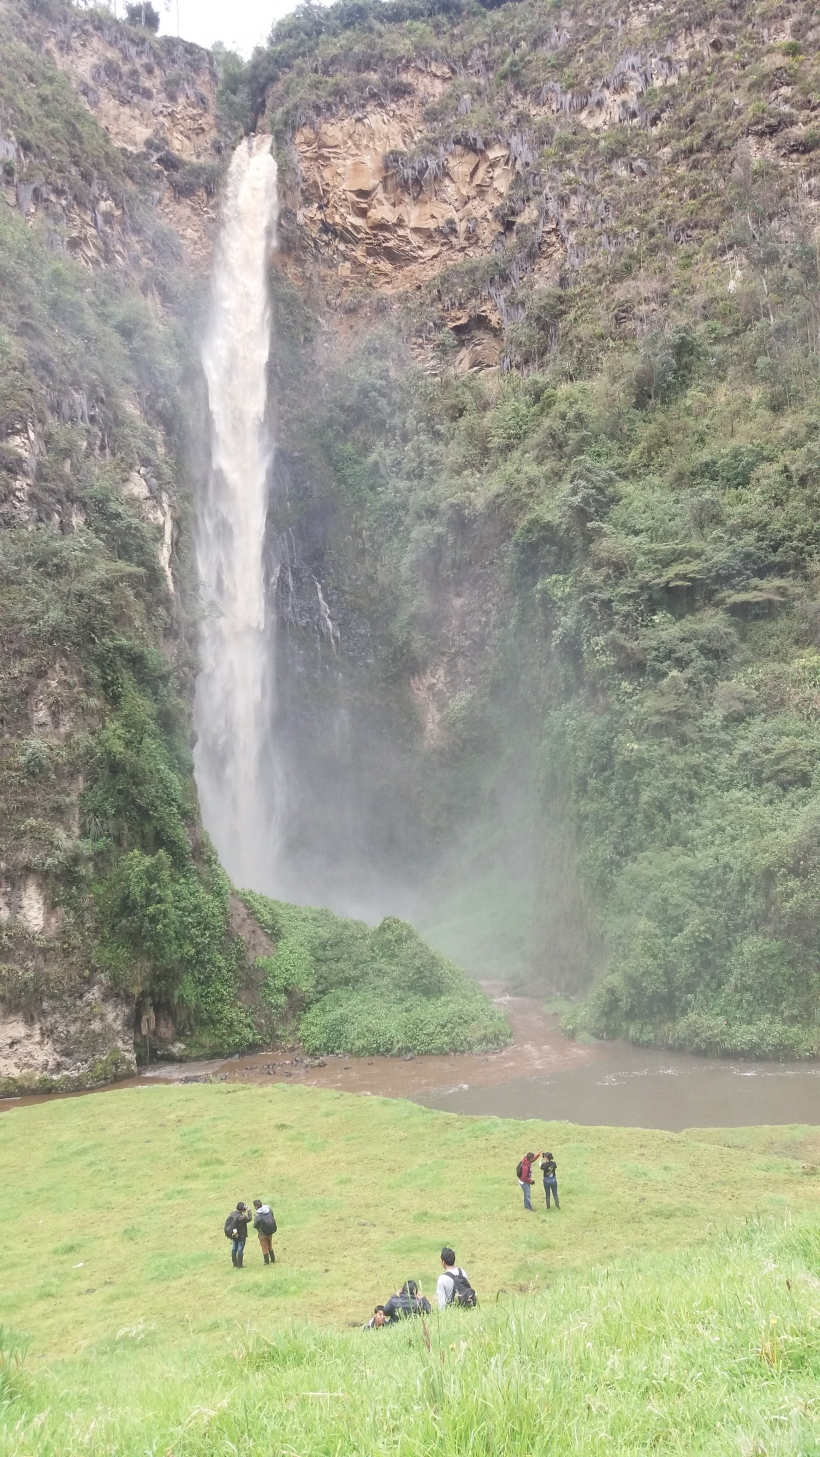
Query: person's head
point(257, 1203)
point(547, 1155)
point(529, 1157)
point(448, 1256)
point(379, 1317)
point(241, 1206)
point(410, 1288)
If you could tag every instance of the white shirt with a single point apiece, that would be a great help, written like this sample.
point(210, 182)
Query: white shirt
point(445, 1285)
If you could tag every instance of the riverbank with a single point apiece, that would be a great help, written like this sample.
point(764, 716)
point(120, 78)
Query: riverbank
point(142, 1337)
point(538, 1047)
point(540, 1075)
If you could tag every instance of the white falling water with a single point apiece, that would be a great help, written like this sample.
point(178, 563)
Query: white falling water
point(231, 707)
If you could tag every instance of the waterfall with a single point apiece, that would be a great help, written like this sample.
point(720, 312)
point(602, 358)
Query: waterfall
point(232, 700)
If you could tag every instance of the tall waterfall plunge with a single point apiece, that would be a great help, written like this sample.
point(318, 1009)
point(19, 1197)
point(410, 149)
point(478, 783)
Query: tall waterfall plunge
point(232, 707)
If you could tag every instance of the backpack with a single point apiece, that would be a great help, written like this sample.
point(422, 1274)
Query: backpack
point(519, 1168)
point(230, 1224)
point(266, 1223)
point(463, 1292)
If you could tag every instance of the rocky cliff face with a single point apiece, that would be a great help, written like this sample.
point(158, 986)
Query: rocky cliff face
point(543, 532)
point(111, 155)
point(555, 277)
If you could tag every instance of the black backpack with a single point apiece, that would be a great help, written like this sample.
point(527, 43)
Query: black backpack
point(463, 1292)
point(230, 1224)
point(518, 1168)
point(266, 1223)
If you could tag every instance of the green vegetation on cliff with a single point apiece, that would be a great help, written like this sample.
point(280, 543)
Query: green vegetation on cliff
point(635, 1320)
point(104, 881)
point(347, 988)
point(638, 485)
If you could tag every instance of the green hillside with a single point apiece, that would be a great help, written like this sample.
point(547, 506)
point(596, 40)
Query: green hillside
point(669, 1306)
point(631, 498)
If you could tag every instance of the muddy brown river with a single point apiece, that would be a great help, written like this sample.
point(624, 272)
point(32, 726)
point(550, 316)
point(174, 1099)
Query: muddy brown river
point(543, 1075)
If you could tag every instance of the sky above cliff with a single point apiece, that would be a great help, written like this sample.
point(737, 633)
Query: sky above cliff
point(240, 24)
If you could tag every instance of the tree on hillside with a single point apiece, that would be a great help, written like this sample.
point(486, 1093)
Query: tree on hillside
point(142, 12)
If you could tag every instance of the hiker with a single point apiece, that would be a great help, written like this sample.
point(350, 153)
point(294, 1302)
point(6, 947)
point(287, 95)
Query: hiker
point(264, 1223)
point(377, 1319)
point(236, 1230)
point(524, 1175)
point(407, 1301)
point(453, 1286)
point(548, 1167)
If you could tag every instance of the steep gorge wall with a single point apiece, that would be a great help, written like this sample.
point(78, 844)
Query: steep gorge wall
point(543, 539)
point(111, 156)
point(554, 272)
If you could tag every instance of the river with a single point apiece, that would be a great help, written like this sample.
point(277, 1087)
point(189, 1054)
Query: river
point(543, 1075)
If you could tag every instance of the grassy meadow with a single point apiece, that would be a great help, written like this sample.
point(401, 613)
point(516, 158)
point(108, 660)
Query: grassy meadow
point(672, 1305)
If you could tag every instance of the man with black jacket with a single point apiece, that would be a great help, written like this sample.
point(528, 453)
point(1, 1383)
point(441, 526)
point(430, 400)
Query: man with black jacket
point(407, 1301)
point(239, 1221)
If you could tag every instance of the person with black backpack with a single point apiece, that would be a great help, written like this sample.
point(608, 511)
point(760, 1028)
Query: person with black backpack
point(453, 1286)
point(264, 1223)
point(236, 1230)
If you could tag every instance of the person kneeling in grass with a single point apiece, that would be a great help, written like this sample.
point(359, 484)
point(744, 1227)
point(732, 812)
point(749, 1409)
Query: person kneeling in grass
point(377, 1319)
point(407, 1301)
point(265, 1225)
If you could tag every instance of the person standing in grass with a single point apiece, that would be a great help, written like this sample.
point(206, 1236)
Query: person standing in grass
point(236, 1229)
point(548, 1169)
point(524, 1172)
point(265, 1225)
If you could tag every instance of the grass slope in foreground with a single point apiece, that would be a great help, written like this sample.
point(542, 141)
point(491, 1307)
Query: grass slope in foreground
point(656, 1312)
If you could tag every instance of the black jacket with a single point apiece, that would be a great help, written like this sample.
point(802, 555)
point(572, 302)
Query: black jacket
point(240, 1224)
point(401, 1305)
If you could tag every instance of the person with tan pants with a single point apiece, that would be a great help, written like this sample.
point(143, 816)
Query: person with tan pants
point(265, 1225)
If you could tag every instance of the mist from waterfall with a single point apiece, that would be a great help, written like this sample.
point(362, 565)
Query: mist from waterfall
point(233, 701)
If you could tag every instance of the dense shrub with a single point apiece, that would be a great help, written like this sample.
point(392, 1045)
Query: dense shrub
point(347, 988)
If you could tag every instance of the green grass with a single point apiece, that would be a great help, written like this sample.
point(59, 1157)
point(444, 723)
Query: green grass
point(670, 1306)
point(118, 1218)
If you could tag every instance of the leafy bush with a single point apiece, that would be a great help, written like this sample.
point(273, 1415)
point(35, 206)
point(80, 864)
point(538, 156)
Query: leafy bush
point(349, 989)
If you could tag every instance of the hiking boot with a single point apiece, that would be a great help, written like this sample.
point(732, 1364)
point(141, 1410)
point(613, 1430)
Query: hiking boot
point(266, 1259)
point(272, 1258)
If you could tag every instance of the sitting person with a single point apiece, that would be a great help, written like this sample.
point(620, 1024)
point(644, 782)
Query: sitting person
point(407, 1301)
point(377, 1319)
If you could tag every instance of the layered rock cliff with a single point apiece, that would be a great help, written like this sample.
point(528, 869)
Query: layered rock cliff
point(552, 278)
point(543, 529)
point(110, 162)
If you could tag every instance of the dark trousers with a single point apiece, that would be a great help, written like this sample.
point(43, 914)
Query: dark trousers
point(237, 1250)
point(551, 1186)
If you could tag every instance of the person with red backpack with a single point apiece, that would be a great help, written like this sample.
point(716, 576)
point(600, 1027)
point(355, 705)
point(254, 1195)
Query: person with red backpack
point(523, 1174)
